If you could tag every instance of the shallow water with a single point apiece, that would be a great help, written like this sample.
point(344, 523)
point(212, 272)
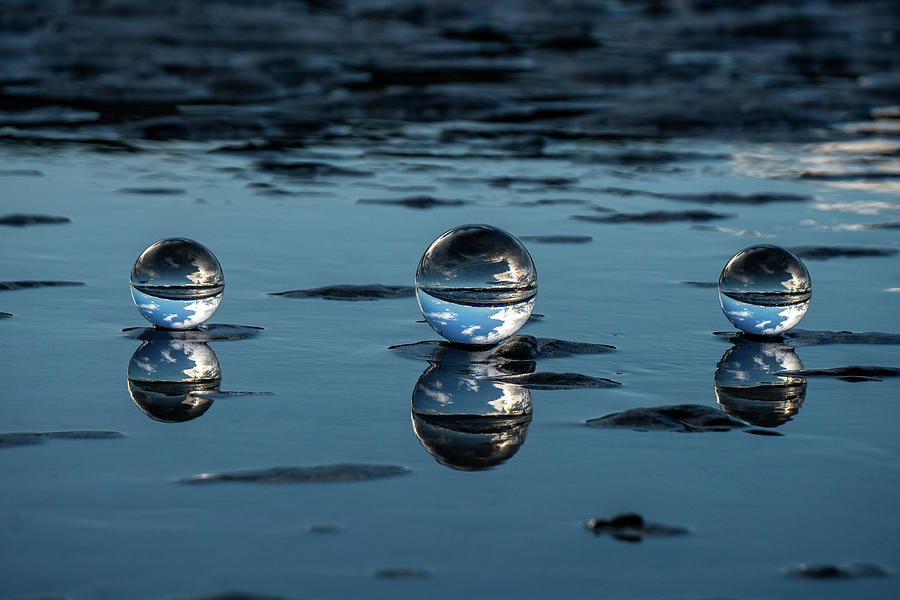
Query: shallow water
point(83, 517)
point(109, 518)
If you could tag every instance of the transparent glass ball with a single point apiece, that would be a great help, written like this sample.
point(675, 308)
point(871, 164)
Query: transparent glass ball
point(177, 283)
point(764, 290)
point(476, 284)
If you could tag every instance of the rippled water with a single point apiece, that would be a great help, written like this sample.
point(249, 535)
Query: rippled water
point(494, 502)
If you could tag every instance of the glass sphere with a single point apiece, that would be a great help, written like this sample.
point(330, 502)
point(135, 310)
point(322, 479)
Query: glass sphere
point(764, 290)
point(476, 284)
point(177, 283)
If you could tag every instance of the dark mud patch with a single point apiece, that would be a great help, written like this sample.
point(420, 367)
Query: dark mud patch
point(550, 182)
point(556, 239)
point(851, 570)
point(852, 176)
point(152, 191)
point(730, 198)
point(21, 220)
point(557, 381)
point(230, 595)
point(516, 348)
point(374, 291)
point(645, 158)
point(632, 527)
point(265, 146)
point(826, 252)
point(684, 418)
point(29, 438)
point(843, 337)
point(403, 573)
point(853, 374)
point(417, 202)
point(21, 173)
point(323, 529)
point(6, 286)
point(655, 216)
point(764, 432)
point(311, 170)
point(549, 202)
point(94, 144)
point(316, 474)
point(204, 333)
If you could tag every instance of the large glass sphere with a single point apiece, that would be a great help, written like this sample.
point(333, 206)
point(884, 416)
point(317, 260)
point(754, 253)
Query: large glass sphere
point(764, 290)
point(177, 283)
point(476, 284)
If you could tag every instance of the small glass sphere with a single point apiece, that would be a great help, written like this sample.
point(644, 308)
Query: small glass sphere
point(177, 283)
point(476, 284)
point(764, 290)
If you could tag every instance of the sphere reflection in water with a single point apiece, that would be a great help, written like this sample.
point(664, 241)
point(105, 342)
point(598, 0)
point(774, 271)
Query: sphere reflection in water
point(476, 284)
point(747, 387)
point(177, 283)
point(764, 290)
point(466, 421)
point(168, 379)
